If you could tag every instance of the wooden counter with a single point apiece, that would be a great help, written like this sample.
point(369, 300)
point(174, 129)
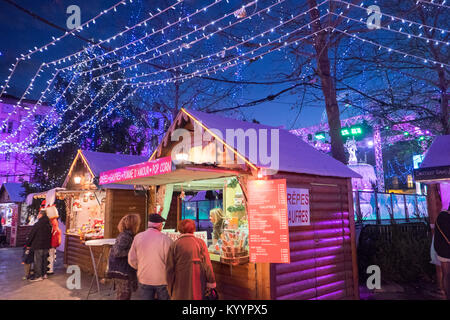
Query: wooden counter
point(77, 253)
point(247, 281)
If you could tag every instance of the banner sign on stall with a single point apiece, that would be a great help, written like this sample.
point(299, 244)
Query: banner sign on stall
point(298, 207)
point(14, 226)
point(268, 221)
point(140, 170)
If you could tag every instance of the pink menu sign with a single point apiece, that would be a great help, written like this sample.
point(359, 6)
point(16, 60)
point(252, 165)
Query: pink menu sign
point(140, 170)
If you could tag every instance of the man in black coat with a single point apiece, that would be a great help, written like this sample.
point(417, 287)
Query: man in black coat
point(39, 239)
point(442, 247)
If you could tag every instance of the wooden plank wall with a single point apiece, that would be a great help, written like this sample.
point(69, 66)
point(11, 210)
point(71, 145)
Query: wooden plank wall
point(77, 253)
point(248, 281)
point(323, 257)
point(172, 217)
point(22, 234)
point(120, 203)
point(8, 234)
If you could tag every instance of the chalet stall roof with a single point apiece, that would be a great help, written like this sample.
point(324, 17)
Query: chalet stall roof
point(97, 162)
point(12, 192)
point(296, 156)
point(436, 164)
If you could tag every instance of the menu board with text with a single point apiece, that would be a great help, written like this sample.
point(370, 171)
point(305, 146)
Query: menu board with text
point(268, 221)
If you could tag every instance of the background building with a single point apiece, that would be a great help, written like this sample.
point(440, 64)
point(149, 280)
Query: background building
point(17, 167)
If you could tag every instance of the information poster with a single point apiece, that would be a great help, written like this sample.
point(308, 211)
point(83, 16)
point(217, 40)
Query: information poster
point(298, 207)
point(14, 225)
point(268, 221)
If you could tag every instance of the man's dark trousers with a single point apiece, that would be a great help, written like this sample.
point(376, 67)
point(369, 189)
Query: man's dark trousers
point(40, 262)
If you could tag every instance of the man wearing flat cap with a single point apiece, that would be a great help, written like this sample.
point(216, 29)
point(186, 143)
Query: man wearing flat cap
point(148, 255)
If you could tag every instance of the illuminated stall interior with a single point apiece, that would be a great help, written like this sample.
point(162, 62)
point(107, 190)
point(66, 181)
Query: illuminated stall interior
point(218, 208)
point(12, 202)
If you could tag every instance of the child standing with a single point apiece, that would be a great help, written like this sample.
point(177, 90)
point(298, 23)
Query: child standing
point(27, 260)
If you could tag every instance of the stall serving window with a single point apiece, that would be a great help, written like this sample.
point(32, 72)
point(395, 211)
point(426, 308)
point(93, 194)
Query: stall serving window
point(224, 219)
point(6, 213)
point(86, 215)
point(198, 207)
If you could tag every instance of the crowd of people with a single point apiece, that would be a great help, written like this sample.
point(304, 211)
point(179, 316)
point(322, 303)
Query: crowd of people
point(41, 244)
point(165, 269)
point(162, 268)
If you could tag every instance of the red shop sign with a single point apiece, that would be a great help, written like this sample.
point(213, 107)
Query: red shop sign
point(140, 170)
point(268, 221)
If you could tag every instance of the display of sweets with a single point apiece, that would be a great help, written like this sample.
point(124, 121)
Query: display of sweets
point(234, 246)
point(91, 230)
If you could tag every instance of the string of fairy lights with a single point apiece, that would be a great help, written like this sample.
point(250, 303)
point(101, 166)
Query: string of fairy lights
point(132, 57)
point(68, 58)
point(180, 72)
point(150, 84)
point(207, 71)
point(147, 60)
point(70, 107)
point(45, 47)
point(137, 63)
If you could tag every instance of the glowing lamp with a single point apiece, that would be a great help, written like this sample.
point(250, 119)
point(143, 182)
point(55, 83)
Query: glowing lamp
point(260, 174)
point(77, 180)
point(370, 144)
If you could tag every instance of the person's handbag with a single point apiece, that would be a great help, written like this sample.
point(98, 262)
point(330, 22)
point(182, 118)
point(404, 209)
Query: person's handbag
point(210, 293)
point(441, 232)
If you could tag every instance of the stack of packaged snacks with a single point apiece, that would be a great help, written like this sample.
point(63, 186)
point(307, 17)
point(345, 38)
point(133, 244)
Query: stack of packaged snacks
point(234, 247)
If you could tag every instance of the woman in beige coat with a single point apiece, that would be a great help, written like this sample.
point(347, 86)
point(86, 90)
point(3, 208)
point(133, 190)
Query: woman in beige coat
point(186, 279)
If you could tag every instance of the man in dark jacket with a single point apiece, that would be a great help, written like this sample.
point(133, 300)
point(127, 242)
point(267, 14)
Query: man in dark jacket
point(39, 239)
point(442, 247)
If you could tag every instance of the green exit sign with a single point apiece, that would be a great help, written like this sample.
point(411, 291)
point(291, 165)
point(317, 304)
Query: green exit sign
point(353, 131)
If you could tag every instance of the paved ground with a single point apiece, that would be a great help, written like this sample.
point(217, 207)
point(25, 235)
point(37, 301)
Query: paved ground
point(12, 287)
point(392, 291)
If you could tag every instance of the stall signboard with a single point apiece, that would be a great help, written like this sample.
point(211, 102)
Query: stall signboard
point(140, 170)
point(14, 224)
point(432, 173)
point(298, 207)
point(175, 235)
point(268, 221)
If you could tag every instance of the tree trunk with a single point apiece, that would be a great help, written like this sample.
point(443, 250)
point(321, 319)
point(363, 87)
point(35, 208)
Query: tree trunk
point(328, 86)
point(444, 101)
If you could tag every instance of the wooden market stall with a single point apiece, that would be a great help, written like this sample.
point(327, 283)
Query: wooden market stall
point(94, 211)
point(434, 171)
point(13, 210)
point(320, 259)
